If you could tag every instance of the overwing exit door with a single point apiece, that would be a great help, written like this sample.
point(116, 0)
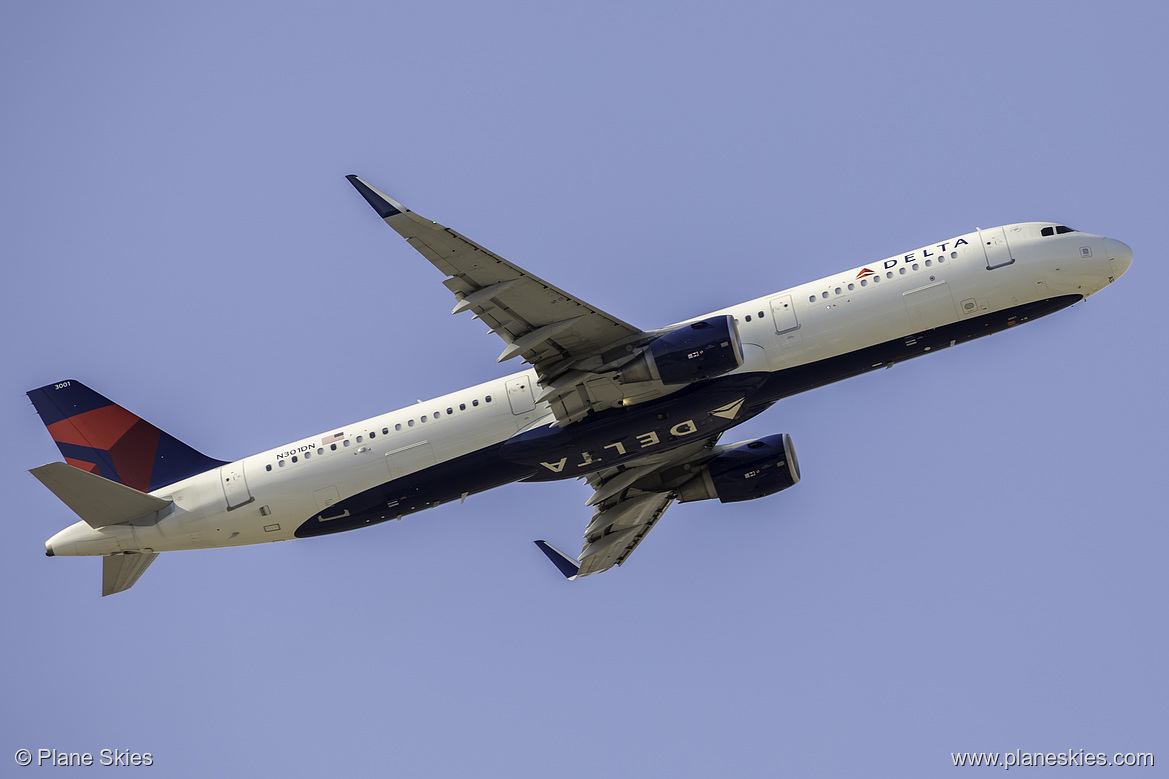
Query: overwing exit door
point(235, 487)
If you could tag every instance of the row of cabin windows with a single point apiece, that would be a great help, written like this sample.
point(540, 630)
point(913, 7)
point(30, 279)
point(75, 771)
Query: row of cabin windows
point(373, 433)
point(876, 277)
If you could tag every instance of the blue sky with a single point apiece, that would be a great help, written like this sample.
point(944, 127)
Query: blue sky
point(974, 561)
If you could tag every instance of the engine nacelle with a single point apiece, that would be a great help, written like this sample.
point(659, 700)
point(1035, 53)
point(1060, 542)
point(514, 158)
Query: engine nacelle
point(745, 471)
point(692, 352)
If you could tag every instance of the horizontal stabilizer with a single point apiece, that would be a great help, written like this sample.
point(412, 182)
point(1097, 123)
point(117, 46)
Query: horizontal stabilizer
point(567, 565)
point(120, 571)
point(96, 500)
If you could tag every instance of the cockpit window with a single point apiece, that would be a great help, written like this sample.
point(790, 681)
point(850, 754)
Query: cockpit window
point(1056, 230)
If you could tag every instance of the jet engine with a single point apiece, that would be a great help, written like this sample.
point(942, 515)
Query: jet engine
point(745, 471)
point(699, 350)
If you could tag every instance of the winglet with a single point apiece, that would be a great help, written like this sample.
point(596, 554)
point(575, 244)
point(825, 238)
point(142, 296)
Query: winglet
point(384, 206)
point(567, 565)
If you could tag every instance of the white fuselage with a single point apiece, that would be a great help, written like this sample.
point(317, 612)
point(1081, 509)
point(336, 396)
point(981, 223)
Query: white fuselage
point(267, 496)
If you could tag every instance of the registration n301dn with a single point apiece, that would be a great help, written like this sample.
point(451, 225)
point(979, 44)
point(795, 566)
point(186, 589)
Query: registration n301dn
point(638, 413)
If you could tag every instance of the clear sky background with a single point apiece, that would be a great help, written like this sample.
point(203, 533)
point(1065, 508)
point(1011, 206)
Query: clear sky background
point(974, 561)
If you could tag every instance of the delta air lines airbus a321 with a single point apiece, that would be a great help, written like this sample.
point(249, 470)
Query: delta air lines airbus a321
point(637, 413)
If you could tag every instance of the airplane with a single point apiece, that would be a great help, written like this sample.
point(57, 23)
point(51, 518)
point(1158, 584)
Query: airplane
point(637, 413)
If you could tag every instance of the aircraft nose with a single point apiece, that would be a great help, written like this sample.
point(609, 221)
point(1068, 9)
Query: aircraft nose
point(1120, 256)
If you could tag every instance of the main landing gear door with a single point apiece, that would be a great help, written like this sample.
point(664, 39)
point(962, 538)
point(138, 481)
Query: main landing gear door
point(235, 487)
point(998, 251)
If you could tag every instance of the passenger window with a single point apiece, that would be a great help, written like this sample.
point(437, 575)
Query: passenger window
point(878, 278)
point(864, 282)
point(824, 295)
point(902, 270)
point(345, 442)
point(760, 314)
point(437, 414)
point(321, 450)
point(398, 426)
point(748, 317)
point(308, 455)
point(889, 275)
point(915, 266)
point(268, 467)
point(811, 298)
point(333, 447)
point(487, 399)
point(475, 402)
point(358, 439)
point(449, 411)
point(462, 407)
point(423, 417)
point(838, 290)
point(294, 459)
point(928, 263)
point(385, 431)
point(372, 435)
point(280, 463)
point(410, 423)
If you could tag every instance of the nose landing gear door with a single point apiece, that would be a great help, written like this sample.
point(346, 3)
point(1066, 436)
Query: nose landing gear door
point(998, 250)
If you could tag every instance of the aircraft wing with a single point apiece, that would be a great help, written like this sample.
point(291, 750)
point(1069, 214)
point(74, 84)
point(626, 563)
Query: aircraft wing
point(628, 501)
point(570, 343)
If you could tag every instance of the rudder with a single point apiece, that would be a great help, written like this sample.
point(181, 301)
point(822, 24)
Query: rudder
point(97, 435)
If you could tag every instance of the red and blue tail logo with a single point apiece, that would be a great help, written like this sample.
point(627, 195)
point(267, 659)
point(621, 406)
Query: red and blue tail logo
point(97, 435)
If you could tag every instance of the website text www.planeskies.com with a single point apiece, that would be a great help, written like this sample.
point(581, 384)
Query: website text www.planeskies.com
point(1070, 757)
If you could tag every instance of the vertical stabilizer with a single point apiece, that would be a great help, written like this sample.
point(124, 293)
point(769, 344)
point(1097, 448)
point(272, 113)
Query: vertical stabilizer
point(97, 435)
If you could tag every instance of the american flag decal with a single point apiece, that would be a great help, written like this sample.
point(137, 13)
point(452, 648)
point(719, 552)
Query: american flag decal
point(331, 438)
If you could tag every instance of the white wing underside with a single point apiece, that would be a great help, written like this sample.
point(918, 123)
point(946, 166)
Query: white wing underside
point(575, 347)
point(629, 501)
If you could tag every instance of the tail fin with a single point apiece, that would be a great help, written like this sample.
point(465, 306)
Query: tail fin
point(97, 435)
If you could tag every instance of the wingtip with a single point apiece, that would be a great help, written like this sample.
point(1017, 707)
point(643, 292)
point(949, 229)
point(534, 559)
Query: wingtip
point(384, 206)
point(565, 564)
